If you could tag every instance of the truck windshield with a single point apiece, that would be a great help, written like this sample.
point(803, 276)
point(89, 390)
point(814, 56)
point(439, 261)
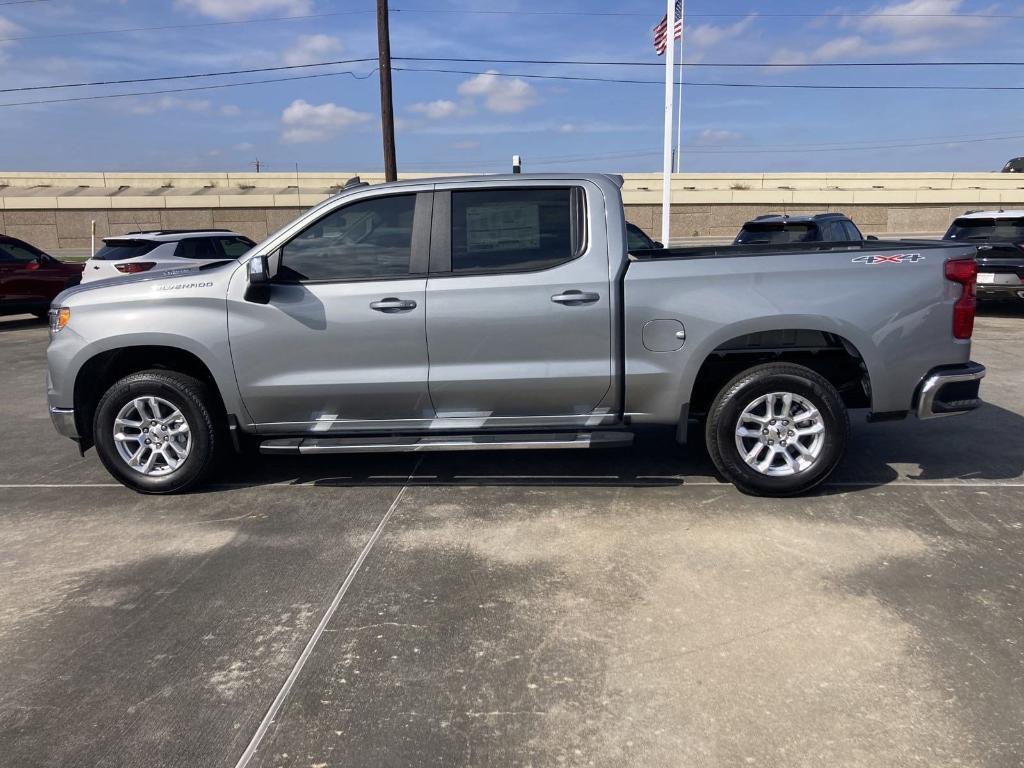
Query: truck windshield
point(987, 229)
point(777, 232)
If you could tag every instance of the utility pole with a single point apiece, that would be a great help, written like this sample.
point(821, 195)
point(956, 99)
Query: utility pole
point(257, 163)
point(387, 110)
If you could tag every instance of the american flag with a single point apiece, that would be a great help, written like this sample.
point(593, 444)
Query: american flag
point(661, 31)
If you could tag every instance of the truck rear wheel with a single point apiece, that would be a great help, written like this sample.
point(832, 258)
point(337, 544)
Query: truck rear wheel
point(777, 430)
point(155, 432)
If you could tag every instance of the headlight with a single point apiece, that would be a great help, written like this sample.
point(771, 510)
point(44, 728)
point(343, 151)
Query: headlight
point(59, 317)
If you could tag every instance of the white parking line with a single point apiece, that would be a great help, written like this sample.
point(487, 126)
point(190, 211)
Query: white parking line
point(341, 482)
point(279, 700)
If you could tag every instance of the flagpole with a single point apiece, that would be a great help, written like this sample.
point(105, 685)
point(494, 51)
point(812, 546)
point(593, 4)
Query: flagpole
point(679, 93)
point(666, 176)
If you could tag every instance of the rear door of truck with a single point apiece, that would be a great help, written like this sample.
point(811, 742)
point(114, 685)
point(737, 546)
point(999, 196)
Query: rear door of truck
point(519, 303)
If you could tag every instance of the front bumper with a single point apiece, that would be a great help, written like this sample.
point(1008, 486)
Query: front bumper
point(64, 421)
point(950, 390)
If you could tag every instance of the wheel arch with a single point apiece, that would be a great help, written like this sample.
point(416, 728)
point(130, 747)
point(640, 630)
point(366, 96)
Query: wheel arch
point(98, 372)
point(838, 354)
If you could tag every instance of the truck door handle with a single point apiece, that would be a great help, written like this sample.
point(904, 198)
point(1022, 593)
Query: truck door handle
point(391, 305)
point(575, 298)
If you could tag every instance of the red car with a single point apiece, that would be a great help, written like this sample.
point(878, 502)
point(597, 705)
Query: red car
point(30, 279)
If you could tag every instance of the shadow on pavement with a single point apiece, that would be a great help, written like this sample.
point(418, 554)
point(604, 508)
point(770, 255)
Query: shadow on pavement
point(984, 445)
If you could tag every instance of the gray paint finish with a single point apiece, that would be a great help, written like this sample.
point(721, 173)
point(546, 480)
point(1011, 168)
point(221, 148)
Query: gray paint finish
point(494, 350)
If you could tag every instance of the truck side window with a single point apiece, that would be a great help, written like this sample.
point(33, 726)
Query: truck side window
point(367, 240)
point(515, 230)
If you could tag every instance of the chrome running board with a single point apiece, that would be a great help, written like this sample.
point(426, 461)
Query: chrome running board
point(477, 442)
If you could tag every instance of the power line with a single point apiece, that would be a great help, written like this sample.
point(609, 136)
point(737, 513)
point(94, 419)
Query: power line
point(773, 15)
point(723, 65)
point(22, 2)
point(796, 86)
point(192, 76)
point(165, 91)
point(699, 150)
point(558, 62)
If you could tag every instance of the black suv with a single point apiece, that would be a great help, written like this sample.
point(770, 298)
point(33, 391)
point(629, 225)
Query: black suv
point(1014, 166)
point(778, 229)
point(1000, 239)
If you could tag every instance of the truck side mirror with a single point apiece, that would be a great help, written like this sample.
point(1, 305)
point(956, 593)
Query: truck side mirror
point(871, 237)
point(258, 274)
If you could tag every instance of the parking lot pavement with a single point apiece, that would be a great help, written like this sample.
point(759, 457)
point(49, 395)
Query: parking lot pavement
point(604, 608)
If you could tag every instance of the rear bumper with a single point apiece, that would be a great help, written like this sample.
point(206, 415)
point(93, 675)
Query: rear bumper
point(64, 421)
point(950, 390)
point(1000, 292)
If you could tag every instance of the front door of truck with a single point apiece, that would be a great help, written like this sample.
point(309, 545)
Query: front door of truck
point(341, 343)
point(519, 318)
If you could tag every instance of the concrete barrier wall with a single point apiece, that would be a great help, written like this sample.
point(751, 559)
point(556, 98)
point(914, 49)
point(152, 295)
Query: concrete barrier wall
point(54, 211)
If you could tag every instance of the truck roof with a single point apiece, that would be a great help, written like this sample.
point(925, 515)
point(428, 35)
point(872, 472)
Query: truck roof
point(503, 177)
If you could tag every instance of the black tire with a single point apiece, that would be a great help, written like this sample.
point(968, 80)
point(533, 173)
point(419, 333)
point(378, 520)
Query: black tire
point(743, 390)
point(192, 398)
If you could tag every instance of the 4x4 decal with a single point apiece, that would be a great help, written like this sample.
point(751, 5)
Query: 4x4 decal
point(899, 258)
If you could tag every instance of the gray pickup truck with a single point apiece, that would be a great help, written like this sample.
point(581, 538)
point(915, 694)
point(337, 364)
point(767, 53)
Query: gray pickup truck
point(506, 312)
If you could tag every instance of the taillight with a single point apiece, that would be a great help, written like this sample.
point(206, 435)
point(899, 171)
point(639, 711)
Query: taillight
point(134, 267)
point(964, 272)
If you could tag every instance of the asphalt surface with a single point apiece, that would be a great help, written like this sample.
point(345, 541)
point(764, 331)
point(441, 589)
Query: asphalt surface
point(545, 609)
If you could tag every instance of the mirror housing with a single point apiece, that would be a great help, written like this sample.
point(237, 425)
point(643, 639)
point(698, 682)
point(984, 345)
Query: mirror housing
point(871, 237)
point(658, 244)
point(258, 275)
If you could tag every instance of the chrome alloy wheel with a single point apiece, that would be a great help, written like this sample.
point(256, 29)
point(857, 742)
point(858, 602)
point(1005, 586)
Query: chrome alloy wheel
point(152, 436)
point(780, 434)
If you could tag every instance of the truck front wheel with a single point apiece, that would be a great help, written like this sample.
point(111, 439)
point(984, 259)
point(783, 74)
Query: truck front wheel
point(155, 432)
point(777, 430)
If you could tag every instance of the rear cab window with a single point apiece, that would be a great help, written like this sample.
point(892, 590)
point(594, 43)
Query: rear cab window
point(516, 230)
point(120, 250)
point(985, 229)
point(777, 232)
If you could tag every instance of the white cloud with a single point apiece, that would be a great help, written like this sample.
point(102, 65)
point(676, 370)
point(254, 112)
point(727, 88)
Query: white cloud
point(169, 103)
point(709, 35)
point(718, 137)
point(895, 30)
point(435, 110)
point(7, 29)
point(915, 17)
point(309, 49)
point(235, 10)
point(230, 110)
point(466, 144)
point(305, 122)
point(245, 146)
point(500, 94)
point(568, 128)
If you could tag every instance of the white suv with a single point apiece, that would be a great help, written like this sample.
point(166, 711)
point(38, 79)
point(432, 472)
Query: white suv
point(162, 250)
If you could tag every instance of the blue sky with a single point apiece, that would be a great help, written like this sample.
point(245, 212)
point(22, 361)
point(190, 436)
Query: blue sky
point(475, 120)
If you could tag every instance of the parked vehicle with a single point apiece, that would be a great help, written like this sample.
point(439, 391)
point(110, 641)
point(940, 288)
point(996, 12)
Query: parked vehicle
point(637, 239)
point(775, 229)
point(162, 250)
point(502, 312)
point(999, 237)
point(1016, 165)
point(30, 279)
